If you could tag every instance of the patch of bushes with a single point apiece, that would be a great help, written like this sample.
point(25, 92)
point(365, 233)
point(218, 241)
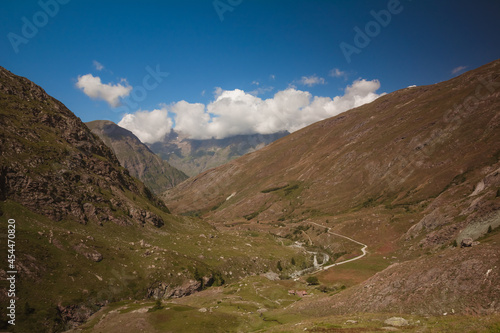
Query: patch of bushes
point(369, 203)
point(272, 189)
point(338, 255)
point(218, 279)
point(301, 228)
point(156, 307)
point(217, 206)
point(290, 189)
point(312, 280)
point(251, 216)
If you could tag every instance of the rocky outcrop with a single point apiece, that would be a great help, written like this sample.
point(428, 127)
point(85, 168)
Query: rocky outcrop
point(162, 290)
point(466, 242)
point(88, 252)
point(75, 315)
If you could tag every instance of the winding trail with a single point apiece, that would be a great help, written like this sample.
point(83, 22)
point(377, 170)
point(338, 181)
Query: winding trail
point(363, 249)
point(321, 267)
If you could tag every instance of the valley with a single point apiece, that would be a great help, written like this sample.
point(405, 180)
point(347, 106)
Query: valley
point(387, 211)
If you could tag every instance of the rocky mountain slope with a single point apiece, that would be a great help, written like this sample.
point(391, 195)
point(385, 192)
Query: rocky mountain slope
point(195, 156)
point(52, 164)
point(136, 157)
point(411, 174)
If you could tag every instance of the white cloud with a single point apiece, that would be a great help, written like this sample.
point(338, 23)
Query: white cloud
point(412, 86)
point(458, 69)
point(98, 65)
point(148, 126)
point(261, 90)
point(272, 77)
point(256, 83)
point(94, 88)
point(337, 73)
point(311, 80)
point(235, 112)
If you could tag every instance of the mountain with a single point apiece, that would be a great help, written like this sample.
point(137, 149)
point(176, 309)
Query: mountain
point(406, 147)
point(88, 234)
point(411, 175)
point(195, 156)
point(53, 165)
point(136, 157)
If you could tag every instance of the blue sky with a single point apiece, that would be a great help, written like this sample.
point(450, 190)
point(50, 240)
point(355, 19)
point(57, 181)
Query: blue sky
point(243, 73)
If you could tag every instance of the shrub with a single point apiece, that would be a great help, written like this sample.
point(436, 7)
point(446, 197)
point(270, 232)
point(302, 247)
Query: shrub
point(156, 307)
point(323, 289)
point(279, 267)
point(218, 279)
point(312, 280)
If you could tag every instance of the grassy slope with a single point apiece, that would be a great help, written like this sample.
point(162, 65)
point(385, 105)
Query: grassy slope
point(52, 273)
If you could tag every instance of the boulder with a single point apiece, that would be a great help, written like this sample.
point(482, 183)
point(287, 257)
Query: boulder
point(396, 322)
point(467, 242)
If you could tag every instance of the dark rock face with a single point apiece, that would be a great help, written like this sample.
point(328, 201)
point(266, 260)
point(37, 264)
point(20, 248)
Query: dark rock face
point(136, 157)
point(75, 315)
point(52, 164)
point(164, 291)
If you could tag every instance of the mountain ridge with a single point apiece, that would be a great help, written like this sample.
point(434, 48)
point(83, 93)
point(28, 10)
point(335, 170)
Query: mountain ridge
point(308, 157)
point(136, 157)
point(194, 156)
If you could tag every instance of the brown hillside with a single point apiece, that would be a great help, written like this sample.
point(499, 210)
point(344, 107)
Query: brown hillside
point(411, 175)
point(405, 147)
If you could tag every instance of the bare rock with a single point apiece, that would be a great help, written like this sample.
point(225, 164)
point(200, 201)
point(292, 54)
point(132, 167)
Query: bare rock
point(467, 242)
point(88, 252)
point(75, 315)
point(396, 322)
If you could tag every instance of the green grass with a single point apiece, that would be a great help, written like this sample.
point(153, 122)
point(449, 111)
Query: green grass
point(59, 275)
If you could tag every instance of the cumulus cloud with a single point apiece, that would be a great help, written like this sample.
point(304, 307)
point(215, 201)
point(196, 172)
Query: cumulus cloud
point(458, 69)
point(235, 112)
point(311, 80)
point(98, 65)
point(94, 88)
point(148, 126)
point(337, 73)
